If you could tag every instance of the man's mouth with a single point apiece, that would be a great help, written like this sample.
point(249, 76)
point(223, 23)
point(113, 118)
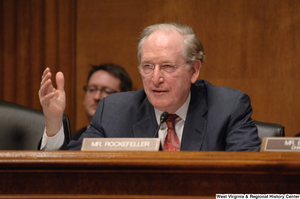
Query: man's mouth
point(95, 106)
point(159, 91)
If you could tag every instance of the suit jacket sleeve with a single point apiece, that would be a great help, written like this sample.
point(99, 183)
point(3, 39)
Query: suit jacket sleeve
point(241, 131)
point(94, 131)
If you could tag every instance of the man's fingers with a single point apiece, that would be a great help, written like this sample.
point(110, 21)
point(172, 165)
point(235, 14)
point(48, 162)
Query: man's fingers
point(46, 71)
point(45, 100)
point(46, 76)
point(60, 81)
point(46, 88)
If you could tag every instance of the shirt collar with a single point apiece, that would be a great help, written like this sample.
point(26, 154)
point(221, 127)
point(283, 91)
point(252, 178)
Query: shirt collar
point(181, 112)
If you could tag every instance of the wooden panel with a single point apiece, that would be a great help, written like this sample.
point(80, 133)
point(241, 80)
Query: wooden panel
point(250, 45)
point(60, 50)
point(167, 174)
point(36, 34)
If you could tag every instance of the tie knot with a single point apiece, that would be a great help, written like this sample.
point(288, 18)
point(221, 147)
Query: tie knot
point(172, 117)
point(171, 120)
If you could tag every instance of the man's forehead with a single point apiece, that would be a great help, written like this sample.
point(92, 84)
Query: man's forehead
point(101, 77)
point(162, 43)
point(163, 36)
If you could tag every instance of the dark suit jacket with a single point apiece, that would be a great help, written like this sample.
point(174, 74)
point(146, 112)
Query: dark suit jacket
point(218, 119)
point(77, 134)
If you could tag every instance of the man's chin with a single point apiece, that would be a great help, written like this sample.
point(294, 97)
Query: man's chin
point(91, 112)
point(162, 106)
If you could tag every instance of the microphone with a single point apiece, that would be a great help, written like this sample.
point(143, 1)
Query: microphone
point(163, 117)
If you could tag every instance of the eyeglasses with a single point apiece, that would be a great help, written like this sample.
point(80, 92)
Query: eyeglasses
point(147, 68)
point(93, 89)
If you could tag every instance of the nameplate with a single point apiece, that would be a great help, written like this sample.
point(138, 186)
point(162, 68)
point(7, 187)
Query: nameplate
point(282, 144)
point(120, 144)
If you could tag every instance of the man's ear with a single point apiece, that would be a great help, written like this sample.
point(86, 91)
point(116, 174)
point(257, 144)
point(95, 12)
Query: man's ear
point(195, 70)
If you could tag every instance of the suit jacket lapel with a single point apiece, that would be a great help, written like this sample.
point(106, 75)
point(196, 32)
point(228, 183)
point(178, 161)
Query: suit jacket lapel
point(147, 124)
point(195, 124)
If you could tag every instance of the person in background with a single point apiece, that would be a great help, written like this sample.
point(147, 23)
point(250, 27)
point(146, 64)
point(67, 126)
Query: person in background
point(201, 117)
point(102, 80)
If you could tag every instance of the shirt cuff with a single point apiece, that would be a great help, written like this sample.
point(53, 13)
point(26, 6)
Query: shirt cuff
point(54, 142)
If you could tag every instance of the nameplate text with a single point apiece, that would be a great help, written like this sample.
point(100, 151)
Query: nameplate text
point(282, 144)
point(120, 144)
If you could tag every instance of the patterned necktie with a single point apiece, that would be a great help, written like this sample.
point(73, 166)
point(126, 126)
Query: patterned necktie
point(171, 142)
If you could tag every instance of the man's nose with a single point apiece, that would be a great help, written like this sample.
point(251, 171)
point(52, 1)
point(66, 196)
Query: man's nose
point(157, 76)
point(98, 95)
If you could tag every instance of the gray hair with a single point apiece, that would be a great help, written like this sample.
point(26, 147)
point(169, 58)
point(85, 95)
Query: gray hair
point(193, 49)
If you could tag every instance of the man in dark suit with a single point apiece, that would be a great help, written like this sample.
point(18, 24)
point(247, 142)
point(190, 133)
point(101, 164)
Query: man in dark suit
point(202, 116)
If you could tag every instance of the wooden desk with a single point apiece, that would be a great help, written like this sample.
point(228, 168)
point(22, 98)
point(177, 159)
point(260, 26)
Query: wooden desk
point(69, 174)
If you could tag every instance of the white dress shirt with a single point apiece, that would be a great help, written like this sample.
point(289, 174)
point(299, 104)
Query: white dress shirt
point(179, 122)
point(54, 142)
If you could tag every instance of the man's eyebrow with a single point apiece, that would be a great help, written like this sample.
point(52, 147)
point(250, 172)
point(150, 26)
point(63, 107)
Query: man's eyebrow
point(146, 61)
